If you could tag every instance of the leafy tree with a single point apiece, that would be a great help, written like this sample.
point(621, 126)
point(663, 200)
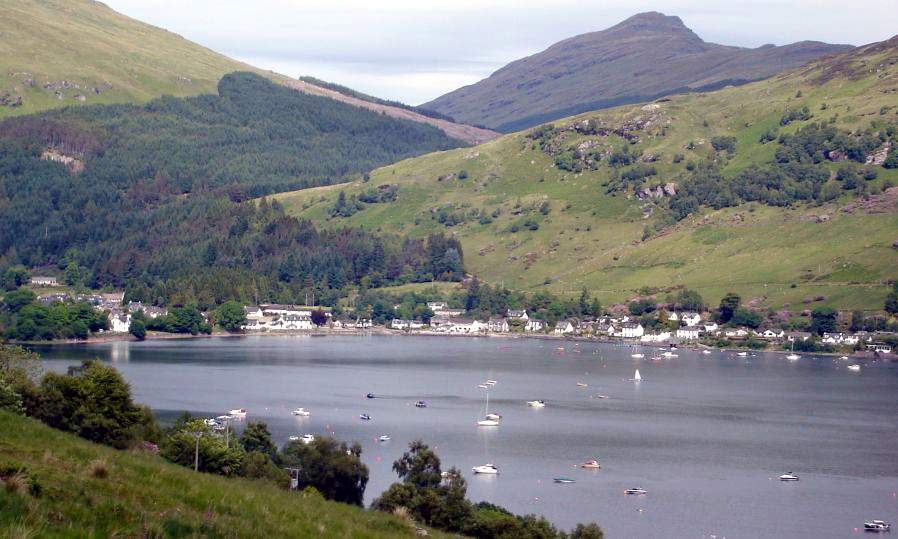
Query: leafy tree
point(642, 306)
point(729, 304)
point(334, 469)
point(19, 298)
point(823, 320)
point(689, 300)
point(857, 321)
point(744, 317)
point(138, 329)
point(891, 303)
point(319, 317)
point(193, 438)
point(230, 316)
point(19, 370)
point(14, 277)
point(256, 437)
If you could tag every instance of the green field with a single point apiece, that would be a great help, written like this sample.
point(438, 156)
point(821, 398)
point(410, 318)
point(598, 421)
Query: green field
point(68, 487)
point(527, 224)
point(90, 54)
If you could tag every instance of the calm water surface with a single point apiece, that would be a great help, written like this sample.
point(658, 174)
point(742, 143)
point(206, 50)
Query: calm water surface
point(705, 435)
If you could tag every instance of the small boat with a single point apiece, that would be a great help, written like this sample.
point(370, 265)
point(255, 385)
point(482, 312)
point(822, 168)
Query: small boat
point(306, 438)
point(854, 367)
point(420, 404)
point(237, 412)
point(365, 417)
point(224, 417)
point(788, 477)
point(483, 386)
point(490, 382)
point(564, 480)
point(591, 464)
point(537, 404)
point(637, 377)
point(211, 422)
point(369, 396)
point(293, 438)
point(383, 438)
point(793, 357)
point(637, 356)
point(301, 412)
point(844, 358)
point(706, 351)
point(582, 384)
point(635, 491)
point(670, 354)
point(601, 396)
point(488, 469)
point(742, 354)
point(487, 423)
point(877, 526)
point(493, 415)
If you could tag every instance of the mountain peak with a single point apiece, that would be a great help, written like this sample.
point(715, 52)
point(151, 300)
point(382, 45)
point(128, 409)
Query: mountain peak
point(651, 20)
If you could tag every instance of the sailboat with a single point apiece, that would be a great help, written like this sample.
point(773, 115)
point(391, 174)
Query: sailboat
point(637, 377)
point(489, 420)
point(793, 355)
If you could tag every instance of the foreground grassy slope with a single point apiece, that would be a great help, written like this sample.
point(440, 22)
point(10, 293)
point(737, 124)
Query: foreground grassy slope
point(526, 223)
point(63, 52)
point(85, 490)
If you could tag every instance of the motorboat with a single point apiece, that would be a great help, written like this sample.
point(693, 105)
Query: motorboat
point(788, 477)
point(582, 384)
point(238, 412)
point(365, 417)
point(793, 357)
point(488, 469)
point(306, 438)
point(483, 386)
point(877, 526)
point(420, 404)
point(706, 351)
point(670, 354)
point(369, 396)
point(383, 438)
point(591, 464)
point(742, 354)
point(635, 491)
point(537, 404)
point(637, 356)
point(488, 423)
point(854, 367)
point(211, 422)
point(601, 396)
point(493, 415)
point(564, 480)
point(490, 383)
point(302, 412)
point(844, 358)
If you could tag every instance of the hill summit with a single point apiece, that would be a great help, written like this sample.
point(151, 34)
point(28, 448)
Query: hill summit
point(642, 58)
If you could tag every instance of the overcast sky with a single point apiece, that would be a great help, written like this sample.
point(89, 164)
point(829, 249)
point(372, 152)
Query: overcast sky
point(416, 50)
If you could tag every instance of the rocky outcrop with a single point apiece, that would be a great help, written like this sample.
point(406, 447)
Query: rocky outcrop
point(879, 156)
point(659, 191)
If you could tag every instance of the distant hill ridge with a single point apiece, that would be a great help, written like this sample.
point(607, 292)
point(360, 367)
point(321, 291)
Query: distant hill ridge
point(642, 58)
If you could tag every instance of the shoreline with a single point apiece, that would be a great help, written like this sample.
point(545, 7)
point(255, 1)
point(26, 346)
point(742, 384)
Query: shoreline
point(385, 332)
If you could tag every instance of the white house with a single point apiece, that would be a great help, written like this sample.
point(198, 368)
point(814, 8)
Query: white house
point(655, 336)
point(773, 333)
point(710, 326)
point(44, 281)
point(436, 305)
point(564, 327)
point(497, 325)
point(466, 325)
point(673, 316)
point(535, 324)
point(689, 333)
point(840, 338)
point(737, 333)
point(522, 314)
point(119, 322)
point(630, 331)
point(690, 319)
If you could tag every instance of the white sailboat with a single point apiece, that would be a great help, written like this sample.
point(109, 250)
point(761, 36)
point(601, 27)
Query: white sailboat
point(793, 356)
point(489, 420)
point(637, 377)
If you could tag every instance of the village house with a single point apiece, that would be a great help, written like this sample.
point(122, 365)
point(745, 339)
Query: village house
point(604, 328)
point(840, 338)
point(119, 321)
point(48, 299)
point(44, 281)
point(273, 309)
point(630, 331)
point(535, 324)
point(497, 325)
point(655, 336)
point(452, 312)
point(437, 305)
point(291, 322)
point(710, 327)
point(772, 334)
point(564, 327)
point(798, 336)
point(398, 323)
point(689, 333)
point(735, 333)
point(690, 319)
point(466, 325)
point(673, 316)
point(512, 313)
point(585, 327)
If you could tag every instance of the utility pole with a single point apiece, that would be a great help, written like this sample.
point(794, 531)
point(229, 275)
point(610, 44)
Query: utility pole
point(196, 454)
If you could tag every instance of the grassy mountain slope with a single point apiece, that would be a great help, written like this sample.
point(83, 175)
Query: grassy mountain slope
point(642, 58)
point(62, 52)
point(85, 490)
point(527, 223)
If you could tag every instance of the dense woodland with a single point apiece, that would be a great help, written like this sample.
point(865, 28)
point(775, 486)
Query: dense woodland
point(151, 196)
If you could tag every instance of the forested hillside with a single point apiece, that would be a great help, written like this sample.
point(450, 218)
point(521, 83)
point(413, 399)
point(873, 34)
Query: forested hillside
point(146, 195)
point(783, 190)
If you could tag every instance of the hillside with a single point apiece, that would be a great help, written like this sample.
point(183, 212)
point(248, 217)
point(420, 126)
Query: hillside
point(739, 189)
point(63, 52)
point(69, 487)
point(644, 57)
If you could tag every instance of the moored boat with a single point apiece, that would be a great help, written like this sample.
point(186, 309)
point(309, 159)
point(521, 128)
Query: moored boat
point(238, 412)
point(877, 526)
point(301, 412)
point(788, 477)
point(365, 417)
point(383, 438)
point(537, 403)
point(635, 491)
point(591, 464)
point(854, 367)
point(420, 404)
point(487, 469)
point(564, 480)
